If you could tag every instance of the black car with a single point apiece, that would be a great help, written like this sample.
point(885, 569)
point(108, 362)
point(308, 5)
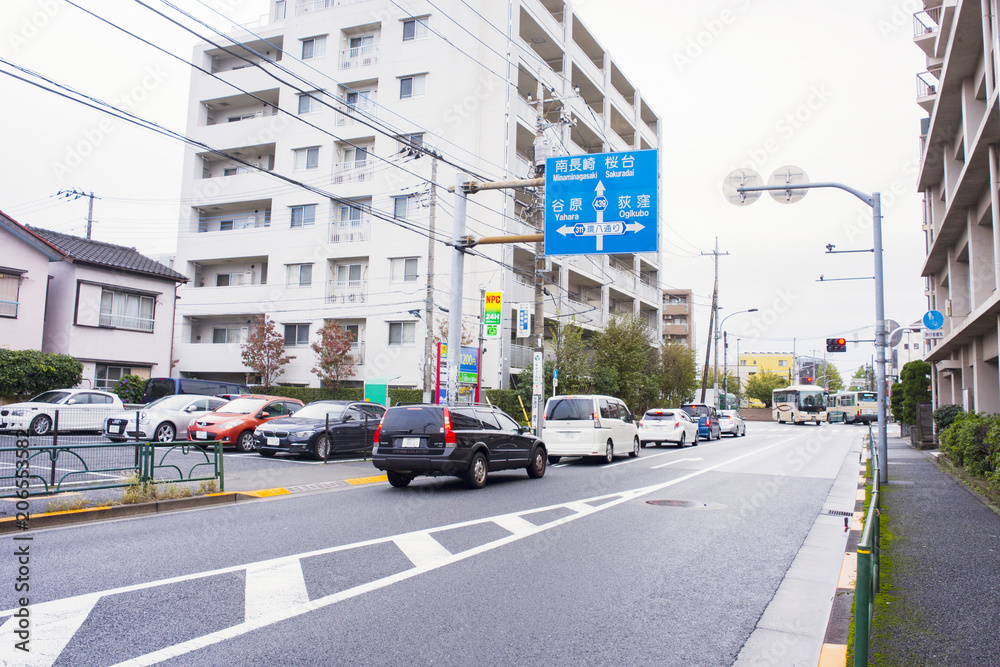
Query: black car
point(351, 427)
point(462, 440)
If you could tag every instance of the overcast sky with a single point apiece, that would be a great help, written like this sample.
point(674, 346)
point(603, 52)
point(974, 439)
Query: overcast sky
point(827, 87)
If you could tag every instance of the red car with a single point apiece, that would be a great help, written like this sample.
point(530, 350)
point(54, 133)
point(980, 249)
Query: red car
point(234, 422)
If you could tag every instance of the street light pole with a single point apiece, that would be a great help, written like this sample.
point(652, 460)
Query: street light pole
point(725, 358)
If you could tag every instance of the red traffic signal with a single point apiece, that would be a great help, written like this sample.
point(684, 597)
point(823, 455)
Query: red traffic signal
point(836, 345)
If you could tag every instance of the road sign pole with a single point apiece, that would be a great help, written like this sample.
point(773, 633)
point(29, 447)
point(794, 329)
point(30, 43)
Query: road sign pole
point(876, 201)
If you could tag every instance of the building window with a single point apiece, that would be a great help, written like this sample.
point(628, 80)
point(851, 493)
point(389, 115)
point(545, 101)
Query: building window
point(411, 143)
point(314, 47)
point(296, 335)
point(743, 362)
point(106, 377)
point(782, 362)
point(414, 29)
point(226, 225)
point(309, 103)
point(403, 269)
point(916, 346)
point(121, 310)
point(401, 333)
point(412, 86)
point(303, 216)
point(307, 158)
point(299, 275)
point(401, 207)
point(226, 335)
point(10, 287)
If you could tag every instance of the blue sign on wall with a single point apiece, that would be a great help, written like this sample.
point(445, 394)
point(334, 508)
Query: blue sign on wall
point(601, 203)
point(933, 319)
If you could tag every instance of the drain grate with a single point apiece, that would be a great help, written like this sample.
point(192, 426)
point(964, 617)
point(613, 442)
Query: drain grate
point(838, 513)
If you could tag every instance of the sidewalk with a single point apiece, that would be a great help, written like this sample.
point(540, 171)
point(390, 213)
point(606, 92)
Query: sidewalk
point(940, 598)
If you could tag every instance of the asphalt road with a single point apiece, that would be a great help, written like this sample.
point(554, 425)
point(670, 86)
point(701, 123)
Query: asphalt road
point(575, 568)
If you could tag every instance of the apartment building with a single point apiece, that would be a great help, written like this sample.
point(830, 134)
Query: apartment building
point(779, 363)
point(678, 317)
point(958, 177)
point(366, 104)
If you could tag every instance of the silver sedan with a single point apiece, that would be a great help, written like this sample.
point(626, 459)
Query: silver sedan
point(730, 422)
point(658, 426)
point(164, 420)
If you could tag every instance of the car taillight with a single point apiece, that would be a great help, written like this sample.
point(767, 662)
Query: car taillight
point(449, 435)
point(378, 432)
point(677, 423)
point(597, 421)
point(642, 423)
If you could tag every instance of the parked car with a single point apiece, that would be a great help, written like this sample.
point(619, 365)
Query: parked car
point(164, 420)
point(466, 441)
point(352, 426)
point(159, 387)
point(708, 419)
point(659, 426)
point(730, 422)
point(588, 425)
point(235, 422)
point(79, 410)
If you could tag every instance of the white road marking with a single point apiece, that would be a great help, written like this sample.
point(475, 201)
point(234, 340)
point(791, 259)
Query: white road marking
point(274, 585)
point(670, 463)
point(418, 542)
point(52, 626)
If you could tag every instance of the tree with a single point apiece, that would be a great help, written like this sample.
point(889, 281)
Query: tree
point(915, 377)
point(30, 372)
point(442, 334)
point(333, 351)
point(896, 401)
point(829, 377)
point(867, 372)
point(570, 358)
point(623, 355)
point(733, 385)
point(760, 386)
point(264, 351)
point(677, 374)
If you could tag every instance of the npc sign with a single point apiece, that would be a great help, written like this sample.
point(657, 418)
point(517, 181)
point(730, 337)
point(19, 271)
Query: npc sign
point(601, 203)
point(493, 313)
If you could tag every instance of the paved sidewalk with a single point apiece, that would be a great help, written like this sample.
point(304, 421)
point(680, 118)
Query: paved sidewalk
point(943, 607)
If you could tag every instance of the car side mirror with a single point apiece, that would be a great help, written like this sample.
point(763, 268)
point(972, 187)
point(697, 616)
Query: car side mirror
point(190, 408)
point(264, 415)
point(346, 418)
point(71, 401)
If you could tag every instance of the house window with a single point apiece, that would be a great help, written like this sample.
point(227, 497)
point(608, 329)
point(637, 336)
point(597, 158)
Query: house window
point(9, 289)
point(401, 333)
point(226, 335)
point(359, 99)
point(403, 269)
point(314, 47)
point(916, 346)
point(299, 275)
point(782, 362)
point(349, 275)
point(234, 279)
point(229, 171)
point(307, 158)
point(410, 142)
point(121, 310)
point(303, 216)
point(296, 334)
point(414, 29)
point(401, 207)
point(106, 377)
point(412, 86)
point(308, 103)
point(226, 225)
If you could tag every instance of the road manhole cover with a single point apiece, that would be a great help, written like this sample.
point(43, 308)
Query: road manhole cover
point(686, 504)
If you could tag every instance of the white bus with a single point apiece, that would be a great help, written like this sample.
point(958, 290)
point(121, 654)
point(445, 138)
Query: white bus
point(853, 407)
point(799, 403)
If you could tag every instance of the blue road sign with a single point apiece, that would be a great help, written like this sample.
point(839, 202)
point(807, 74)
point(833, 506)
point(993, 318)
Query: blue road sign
point(601, 203)
point(933, 319)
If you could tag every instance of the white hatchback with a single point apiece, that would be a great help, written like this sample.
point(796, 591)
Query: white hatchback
point(589, 425)
point(675, 426)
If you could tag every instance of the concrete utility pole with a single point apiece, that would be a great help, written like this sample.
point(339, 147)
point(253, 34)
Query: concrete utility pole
point(429, 302)
point(538, 213)
point(457, 273)
point(76, 194)
point(715, 321)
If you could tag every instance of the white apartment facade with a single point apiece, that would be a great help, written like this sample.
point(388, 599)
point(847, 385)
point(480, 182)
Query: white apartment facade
point(959, 179)
point(364, 93)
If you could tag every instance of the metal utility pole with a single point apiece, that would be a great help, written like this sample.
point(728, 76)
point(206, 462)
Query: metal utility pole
point(457, 273)
point(76, 194)
point(429, 302)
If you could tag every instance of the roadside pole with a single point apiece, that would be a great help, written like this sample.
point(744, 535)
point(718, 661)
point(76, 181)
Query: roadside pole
point(457, 273)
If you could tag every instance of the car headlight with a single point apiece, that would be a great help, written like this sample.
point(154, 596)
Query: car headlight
point(303, 435)
point(231, 424)
point(143, 418)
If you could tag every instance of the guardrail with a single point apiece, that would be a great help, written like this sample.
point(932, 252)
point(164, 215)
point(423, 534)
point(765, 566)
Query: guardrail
point(868, 565)
point(36, 470)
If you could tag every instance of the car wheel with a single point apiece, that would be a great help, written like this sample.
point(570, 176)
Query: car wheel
point(537, 466)
point(643, 444)
point(267, 453)
point(554, 459)
point(245, 442)
point(696, 439)
point(609, 452)
point(165, 432)
point(40, 425)
point(635, 449)
point(683, 440)
point(478, 470)
point(397, 480)
point(322, 448)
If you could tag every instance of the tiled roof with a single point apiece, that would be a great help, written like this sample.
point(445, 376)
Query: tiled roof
point(107, 254)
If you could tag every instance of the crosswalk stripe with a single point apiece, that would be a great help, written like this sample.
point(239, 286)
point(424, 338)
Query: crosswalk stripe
point(274, 585)
point(421, 548)
point(53, 624)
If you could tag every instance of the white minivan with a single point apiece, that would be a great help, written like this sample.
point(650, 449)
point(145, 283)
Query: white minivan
point(588, 425)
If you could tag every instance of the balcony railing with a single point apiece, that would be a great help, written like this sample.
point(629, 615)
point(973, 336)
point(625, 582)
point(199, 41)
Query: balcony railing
point(520, 356)
point(357, 353)
point(319, 5)
point(359, 56)
point(363, 108)
point(350, 231)
point(354, 171)
point(926, 84)
point(135, 323)
point(225, 224)
point(927, 22)
point(346, 291)
point(648, 291)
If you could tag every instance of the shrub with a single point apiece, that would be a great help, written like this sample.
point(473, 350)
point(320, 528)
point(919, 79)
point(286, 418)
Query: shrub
point(945, 415)
point(506, 400)
point(26, 373)
point(973, 442)
point(129, 388)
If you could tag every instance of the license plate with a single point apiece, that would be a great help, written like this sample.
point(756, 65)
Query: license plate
point(116, 428)
point(200, 435)
point(569, 435)
point(411, 442)
point(272, 442)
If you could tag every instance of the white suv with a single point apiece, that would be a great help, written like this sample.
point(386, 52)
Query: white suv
point(587, 425)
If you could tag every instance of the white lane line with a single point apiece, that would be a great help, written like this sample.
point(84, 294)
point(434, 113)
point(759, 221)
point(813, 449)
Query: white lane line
point(515, 524)
point(274, 585)
point(52, 626)
point(422, 549)
point(670, 463)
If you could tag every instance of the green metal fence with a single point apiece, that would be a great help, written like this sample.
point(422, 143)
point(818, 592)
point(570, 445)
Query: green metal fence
point(51, 469)
point(868, 565)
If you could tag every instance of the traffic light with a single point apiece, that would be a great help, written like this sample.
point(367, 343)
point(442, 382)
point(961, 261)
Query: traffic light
point(836, 345)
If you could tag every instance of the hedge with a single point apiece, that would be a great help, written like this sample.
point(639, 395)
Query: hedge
point(309, 394)
point(27, 373)
point(973, 442)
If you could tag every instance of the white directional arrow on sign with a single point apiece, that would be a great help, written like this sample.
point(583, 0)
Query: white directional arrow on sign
point(613, 228)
